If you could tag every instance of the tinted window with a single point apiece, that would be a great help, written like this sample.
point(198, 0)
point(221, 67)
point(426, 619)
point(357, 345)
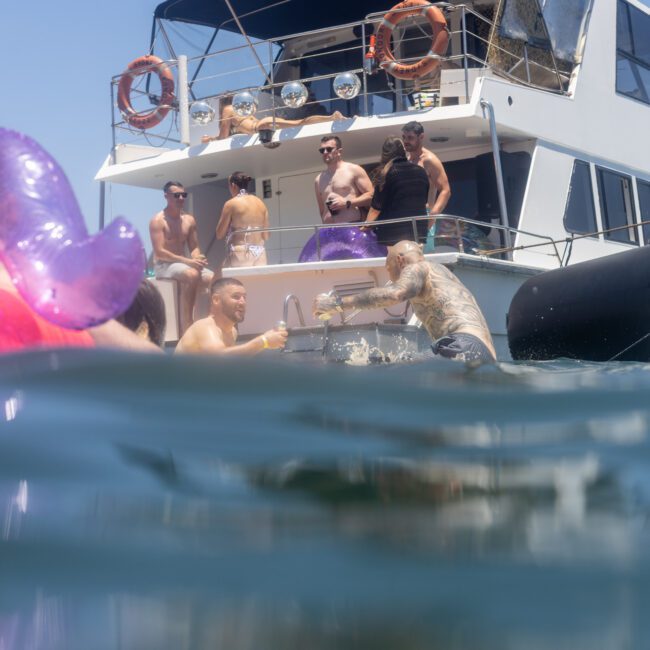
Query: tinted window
point(632, 79)
point(462, 180)
point(633, 52)
point(644, 203)
point(616, 205)
point(580, 216)
point(623, 30)
point(640, 24)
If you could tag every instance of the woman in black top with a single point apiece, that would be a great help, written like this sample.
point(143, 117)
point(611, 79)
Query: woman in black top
point(401, 190)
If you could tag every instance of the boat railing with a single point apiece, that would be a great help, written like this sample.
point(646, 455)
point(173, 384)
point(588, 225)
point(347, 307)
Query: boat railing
point(454, 236)
point(265, 67)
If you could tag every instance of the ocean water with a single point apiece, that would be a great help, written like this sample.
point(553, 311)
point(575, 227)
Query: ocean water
point(185, 503)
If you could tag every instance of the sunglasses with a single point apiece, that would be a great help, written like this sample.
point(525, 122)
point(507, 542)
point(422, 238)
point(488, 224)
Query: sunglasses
point(179, 195)
point(323, 150)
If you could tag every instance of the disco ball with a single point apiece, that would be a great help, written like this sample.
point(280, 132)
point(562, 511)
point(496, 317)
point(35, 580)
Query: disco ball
point(201, 113)
point(244, 104)
point(294, 94)
point(347, 85)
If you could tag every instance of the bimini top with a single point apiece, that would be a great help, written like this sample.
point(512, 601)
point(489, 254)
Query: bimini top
point(266, 19)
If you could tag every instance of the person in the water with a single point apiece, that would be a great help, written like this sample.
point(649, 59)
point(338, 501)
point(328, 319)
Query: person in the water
point(445, 306)
point(22, 328)
point(217, 334)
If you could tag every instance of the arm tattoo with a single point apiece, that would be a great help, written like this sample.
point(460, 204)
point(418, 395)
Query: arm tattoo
point(408, 286)
point(449, 306)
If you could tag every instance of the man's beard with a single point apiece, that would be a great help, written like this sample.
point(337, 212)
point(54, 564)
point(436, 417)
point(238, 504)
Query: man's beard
point(235, 316)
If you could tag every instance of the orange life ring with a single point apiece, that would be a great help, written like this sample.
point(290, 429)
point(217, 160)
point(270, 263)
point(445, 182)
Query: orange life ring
point(439, 41)
point(143, 65)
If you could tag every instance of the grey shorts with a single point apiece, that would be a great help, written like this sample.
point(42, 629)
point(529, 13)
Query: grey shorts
point(463, 347)
point(172, 270)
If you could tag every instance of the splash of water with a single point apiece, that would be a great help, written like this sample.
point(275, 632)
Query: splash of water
point(362, 353)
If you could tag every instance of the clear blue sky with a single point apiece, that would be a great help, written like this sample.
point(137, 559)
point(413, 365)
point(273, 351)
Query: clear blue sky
point(58, 59)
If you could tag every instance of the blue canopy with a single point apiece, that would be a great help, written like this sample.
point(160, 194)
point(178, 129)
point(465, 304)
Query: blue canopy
point(266, 19)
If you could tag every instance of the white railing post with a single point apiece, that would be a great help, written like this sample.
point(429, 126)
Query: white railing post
point(183, 100)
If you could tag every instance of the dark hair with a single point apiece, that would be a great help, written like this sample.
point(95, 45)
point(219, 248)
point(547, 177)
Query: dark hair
point(336, 139)
point(225, 100)
point(147, 306)
point(240, 179)
point(413, 126)
point(221, 283)
point(169, 184)
point(392, 148)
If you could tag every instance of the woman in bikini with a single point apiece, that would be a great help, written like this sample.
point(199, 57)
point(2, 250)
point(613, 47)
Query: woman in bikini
point(232, 124)
point(243, 212)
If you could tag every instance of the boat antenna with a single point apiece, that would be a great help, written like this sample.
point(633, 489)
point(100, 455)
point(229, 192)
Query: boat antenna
point(248, 40)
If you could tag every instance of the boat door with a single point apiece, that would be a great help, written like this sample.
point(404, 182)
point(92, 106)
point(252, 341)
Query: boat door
point(296, 207)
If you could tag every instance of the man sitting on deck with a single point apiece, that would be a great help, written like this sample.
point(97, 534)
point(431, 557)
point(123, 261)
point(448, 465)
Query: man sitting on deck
point(217, 334)
point(173, 231)
point(446, 308)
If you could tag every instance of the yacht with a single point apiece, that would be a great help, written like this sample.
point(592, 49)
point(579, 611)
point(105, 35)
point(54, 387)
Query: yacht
point(538, 109)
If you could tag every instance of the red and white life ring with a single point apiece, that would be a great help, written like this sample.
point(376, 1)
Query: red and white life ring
point(439, 41)
point(144, 65)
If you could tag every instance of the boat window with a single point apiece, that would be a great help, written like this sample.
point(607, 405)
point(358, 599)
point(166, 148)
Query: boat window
point(462, 181)
point(616, 206)
point(560, 30)
point(580, 214)
point(632, 52)
point(643, 190)
point(473, 184)
point(565, 22)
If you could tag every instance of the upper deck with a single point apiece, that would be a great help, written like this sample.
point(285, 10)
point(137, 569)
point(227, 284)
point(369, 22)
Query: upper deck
point(571, 90)
point(557, 84)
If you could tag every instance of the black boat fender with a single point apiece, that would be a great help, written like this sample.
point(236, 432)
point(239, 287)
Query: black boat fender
point(597, 310)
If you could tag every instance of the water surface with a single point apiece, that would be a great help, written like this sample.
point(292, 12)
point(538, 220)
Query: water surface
point(190, 503)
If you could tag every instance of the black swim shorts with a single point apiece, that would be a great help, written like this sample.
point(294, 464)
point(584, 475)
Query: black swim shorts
point(463, 347)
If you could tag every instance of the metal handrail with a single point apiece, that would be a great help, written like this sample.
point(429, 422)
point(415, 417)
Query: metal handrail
point(360, 45)
point(285, 311)
point(548, 241)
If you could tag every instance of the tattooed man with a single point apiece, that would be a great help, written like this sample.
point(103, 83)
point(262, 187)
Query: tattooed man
point(446, 308)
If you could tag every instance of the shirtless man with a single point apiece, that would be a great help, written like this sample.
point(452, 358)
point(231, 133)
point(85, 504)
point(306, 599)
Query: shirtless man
point(446, 308)
point(173, 232)
point(243, 211)
point(217, 334)
point(343, 187)
point(413, 137)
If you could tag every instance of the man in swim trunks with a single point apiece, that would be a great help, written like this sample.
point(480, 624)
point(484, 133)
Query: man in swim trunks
point(446, 308)
point(343, 187)
point(246, 212)
point(217, 334)
point(173, 233)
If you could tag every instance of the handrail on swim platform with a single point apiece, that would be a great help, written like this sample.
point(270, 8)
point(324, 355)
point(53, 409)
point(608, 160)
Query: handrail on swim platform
point(285, 312)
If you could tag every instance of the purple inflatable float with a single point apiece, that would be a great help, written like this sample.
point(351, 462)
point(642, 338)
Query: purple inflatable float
point(342, 244)
point(72, 279)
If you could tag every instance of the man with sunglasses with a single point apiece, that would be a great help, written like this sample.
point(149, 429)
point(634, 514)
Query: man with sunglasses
point(343, 187)
point(176, 250)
